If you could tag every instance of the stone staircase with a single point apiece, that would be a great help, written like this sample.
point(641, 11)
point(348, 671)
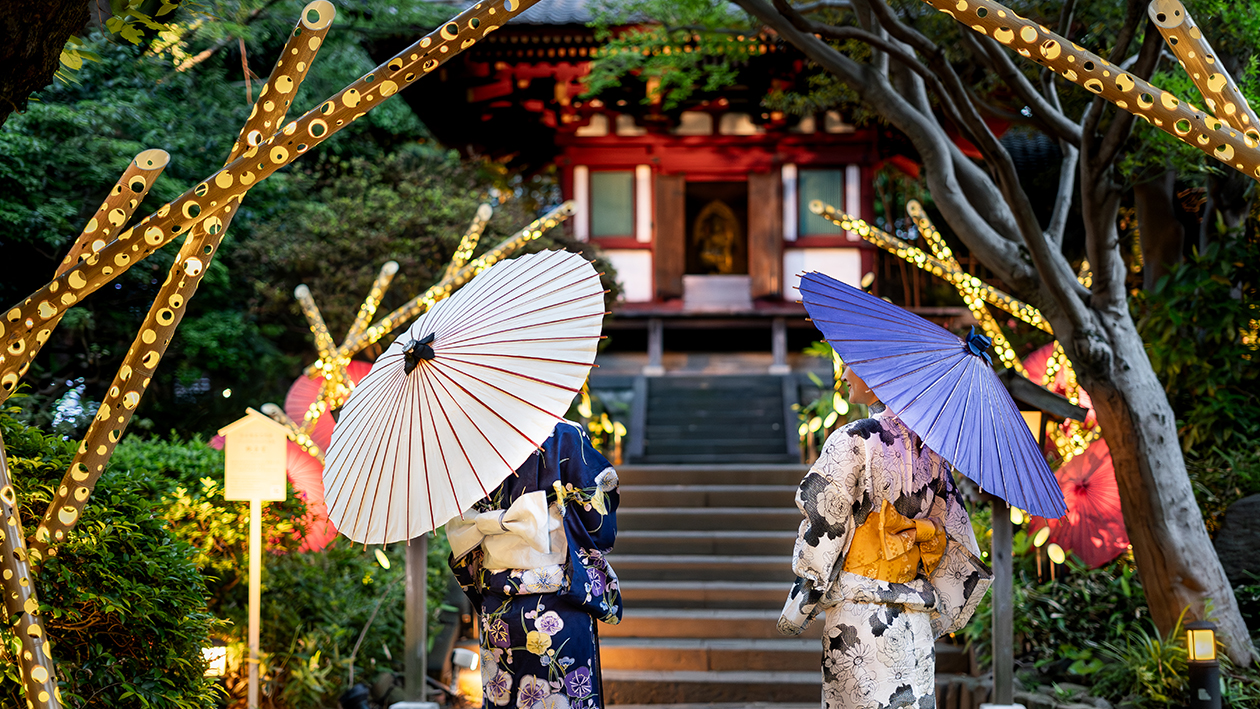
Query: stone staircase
point(703, 553)
point(714, 419)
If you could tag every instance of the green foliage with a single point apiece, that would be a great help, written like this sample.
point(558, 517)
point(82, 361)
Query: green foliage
point(1059, 620)
point(1200, 326)
point(1148, 667)
point(314, 604)
point(124, 603)
point(697, 45)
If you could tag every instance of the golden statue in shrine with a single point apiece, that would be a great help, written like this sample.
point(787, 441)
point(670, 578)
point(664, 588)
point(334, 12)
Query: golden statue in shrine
point(716, 233)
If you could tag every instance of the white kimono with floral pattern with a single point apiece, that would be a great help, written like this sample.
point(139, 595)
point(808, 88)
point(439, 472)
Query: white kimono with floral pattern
point(879, 636)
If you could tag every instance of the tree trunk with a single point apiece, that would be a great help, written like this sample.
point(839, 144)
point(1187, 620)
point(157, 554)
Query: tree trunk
point(1174, 553)
point(32, 34)
point(1161, 235)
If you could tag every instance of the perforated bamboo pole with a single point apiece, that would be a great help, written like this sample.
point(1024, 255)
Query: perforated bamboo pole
point(21, 605)
point(917, 257)
point(27, 325)
point(413, 308)
point(1207, 72)
point(961, 281)
point(468, 243)
point(168, 308)
point(1076, 64)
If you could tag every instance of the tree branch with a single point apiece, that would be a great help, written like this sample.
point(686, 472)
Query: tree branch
point(1001, 64)
point(1063, 203)
point(935, 149)
point(1122, 124)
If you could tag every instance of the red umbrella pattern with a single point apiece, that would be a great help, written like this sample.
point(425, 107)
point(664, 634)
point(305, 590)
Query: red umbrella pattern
point(1094, 527)
point(302, 394)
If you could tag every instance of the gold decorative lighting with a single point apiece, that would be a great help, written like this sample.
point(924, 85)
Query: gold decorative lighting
point(1225, 136)
point(103, 251)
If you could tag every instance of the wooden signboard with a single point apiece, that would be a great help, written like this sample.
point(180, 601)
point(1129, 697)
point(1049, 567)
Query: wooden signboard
point(256, 458)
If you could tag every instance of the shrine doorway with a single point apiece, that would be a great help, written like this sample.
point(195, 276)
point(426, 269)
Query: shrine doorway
point(717, 228)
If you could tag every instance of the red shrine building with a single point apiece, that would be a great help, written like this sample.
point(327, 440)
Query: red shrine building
point(702, 209)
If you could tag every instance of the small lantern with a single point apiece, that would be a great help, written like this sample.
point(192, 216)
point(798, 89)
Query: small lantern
point(1203, 669)
point(216, 659)
point(1201, 641)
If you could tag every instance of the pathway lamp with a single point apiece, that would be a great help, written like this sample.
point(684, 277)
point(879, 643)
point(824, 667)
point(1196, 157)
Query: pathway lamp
point(1203, 669)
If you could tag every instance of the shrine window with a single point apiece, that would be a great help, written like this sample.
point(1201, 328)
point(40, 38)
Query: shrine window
point(826, 185)
point(612, 203)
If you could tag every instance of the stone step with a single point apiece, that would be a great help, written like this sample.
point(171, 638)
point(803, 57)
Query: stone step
point(708, 518)
point(676, 567)
point(708, 429)
point(700, 623)
point(704, 541)
point(745, 595)
point(712, 474)
point(724, 446)
point(724, 705)
point(708, 495)
point(717, 458)
point(707, 654)
point(681, 413)
point(673, 687)
point(715, 383)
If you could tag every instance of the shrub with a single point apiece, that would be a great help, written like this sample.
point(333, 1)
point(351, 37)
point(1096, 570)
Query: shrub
point(123, 599)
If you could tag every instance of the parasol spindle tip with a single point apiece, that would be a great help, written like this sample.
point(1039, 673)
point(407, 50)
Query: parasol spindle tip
point(418, 350)
point(978, 343)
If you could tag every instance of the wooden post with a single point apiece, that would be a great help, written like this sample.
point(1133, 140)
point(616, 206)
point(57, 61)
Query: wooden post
point(416, 663)
point(255, 595)
point(1003, 608)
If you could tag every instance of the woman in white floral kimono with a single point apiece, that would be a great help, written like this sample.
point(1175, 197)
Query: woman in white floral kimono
point(887, 552)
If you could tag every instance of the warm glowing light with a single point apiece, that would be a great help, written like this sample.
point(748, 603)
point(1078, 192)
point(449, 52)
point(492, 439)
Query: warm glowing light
point(1018, 516)
point(1201, 641)
point(216, 660)
point(227, 393)
point(1056, 553)
point(382, 559)
point(1039, 539)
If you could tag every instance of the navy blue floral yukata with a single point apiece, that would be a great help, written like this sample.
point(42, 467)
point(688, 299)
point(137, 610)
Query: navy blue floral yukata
point(539, 646)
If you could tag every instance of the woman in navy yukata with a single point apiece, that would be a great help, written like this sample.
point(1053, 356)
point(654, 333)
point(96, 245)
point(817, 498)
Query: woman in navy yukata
point(530, 556)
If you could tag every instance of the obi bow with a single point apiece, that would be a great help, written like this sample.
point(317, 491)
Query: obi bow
point(891, 547)
point(521, 536)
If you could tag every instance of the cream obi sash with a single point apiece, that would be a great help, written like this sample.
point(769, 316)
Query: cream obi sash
point(527, 535)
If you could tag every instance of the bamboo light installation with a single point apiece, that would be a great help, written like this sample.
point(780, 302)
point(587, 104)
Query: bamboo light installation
point(1214, 136)
point(963, 283)
point(1194, 54)
point(413, 308)
point(202, 214)
point(931, 264)
point(26, 326)
point(167, 310)
point(975, 293)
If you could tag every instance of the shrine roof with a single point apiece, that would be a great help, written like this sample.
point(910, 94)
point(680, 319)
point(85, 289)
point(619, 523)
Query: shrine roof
point(546, 12)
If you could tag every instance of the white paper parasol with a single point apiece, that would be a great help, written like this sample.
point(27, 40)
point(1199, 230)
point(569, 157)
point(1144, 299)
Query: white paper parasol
point(461, 399)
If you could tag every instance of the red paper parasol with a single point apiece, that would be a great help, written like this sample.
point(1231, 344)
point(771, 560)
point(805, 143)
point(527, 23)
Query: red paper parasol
point(302, 394)
point(1094, 526)
point(307, 475)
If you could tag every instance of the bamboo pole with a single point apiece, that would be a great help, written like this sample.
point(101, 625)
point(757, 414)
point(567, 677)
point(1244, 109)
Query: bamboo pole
point(930, 263)
point(962, 283)
point(21, 605)
point(1160, 108)
point(168, 308)
point(27, 325)
point(1209, 75)
point(468, 243)
point(413, 308)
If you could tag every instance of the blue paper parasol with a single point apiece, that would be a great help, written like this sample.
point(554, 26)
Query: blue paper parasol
point(942, 387)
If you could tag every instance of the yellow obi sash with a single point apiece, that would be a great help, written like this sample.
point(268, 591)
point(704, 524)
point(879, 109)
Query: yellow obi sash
point(890, 546)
